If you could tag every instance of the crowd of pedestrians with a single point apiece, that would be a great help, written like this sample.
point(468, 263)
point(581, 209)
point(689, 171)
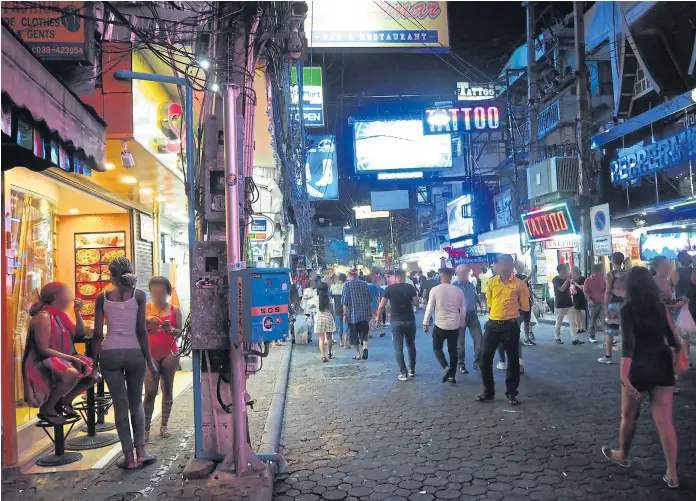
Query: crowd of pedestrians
point(645, 313)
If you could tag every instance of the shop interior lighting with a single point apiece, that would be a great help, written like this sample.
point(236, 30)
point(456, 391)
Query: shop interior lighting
point(161, 198)
point(110, 166)
point(74, 211)
point(146, 191)
point(129, 180)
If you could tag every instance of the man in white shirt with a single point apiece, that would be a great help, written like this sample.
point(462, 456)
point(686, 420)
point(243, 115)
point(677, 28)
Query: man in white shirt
point(449, 304)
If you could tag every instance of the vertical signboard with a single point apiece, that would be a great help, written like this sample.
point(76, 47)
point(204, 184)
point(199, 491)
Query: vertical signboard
point(321, 170)
point(312, 96)
point(52, 30)
point(503, 209)
point(601, 230)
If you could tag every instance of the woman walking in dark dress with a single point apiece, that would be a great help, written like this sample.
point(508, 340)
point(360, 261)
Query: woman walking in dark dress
point(646, 366)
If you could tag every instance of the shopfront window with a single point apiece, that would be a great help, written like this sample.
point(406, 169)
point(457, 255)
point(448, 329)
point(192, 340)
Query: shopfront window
point(30, 259)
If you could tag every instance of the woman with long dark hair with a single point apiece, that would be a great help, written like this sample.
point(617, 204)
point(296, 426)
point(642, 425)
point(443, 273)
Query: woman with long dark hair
point(54, 374)
point(164, 323)
point(646, 366)
point(324, 322)
point(123, 356)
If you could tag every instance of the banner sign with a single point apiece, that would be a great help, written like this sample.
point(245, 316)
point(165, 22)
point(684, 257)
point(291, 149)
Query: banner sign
point(467, 91)
point(454, 120)
point(393, 25)
point(503, 209)
point(312, 96)
point(640, 159)
point(549, 222)
point(321, 169)
point(52, 30)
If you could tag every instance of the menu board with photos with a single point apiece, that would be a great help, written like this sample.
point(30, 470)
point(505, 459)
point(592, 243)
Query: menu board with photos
point(93, 253)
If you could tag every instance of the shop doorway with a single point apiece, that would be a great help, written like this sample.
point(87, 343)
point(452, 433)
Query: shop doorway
point(56, 233)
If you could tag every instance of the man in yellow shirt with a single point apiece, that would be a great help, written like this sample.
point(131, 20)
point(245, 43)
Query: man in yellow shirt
point(506, 295)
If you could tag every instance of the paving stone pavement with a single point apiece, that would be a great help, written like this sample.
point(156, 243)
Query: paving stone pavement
point(353, 432)
point(158, 482)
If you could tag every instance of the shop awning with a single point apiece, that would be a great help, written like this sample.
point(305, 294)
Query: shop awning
point(43, 122)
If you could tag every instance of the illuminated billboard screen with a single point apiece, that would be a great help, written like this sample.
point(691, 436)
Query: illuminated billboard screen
point(460, 222)
point(547, 223)
point(667, 244)
point(321, 169)
point(392, 145)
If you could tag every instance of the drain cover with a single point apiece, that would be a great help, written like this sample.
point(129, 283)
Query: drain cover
point(342, 371)
point(126, 496)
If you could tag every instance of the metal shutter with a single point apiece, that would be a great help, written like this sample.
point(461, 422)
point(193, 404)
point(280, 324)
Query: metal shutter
point(143, 257)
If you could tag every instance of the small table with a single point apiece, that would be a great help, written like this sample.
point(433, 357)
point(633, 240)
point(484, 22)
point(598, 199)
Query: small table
point(93, 439)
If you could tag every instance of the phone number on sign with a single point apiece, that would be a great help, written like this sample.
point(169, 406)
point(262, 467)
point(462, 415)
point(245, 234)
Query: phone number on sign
point(57, 50)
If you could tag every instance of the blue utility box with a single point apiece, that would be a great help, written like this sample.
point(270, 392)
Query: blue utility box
point(259, 299)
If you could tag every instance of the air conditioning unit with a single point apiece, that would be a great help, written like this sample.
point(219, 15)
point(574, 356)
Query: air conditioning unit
point(553, 179)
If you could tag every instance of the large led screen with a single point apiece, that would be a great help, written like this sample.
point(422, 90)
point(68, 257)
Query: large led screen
point(389, 145)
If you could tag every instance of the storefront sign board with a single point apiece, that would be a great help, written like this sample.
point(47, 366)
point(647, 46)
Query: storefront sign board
point(548, 222)
point(261, 229)
point(642, 159)
point(393, 25)
point(601, 230)
point(473, 117)
point(312, 96)
point(563, 243)
point(52, 30)
point(467, 91)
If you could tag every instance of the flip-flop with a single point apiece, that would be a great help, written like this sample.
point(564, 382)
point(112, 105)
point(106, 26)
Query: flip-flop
point(324, 359)
point(124, 466)
point(357, 357)
point(147, 461)
point(53, 419)
point(483, 398)
point(513, 401)
point(670, 483)
point(623, 463)
point(67, 410)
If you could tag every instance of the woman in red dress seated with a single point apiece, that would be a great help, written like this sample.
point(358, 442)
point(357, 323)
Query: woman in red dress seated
point(54, 374)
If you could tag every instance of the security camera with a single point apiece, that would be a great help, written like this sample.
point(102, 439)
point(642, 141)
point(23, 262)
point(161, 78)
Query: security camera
point(127, 159)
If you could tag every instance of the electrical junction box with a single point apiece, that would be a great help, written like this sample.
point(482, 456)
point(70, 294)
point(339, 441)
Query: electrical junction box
point(209, 311)
point(259, 301)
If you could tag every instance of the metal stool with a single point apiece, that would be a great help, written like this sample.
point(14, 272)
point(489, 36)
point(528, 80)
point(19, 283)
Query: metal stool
point(59, 457)
point(90, 408)
point(104, 398)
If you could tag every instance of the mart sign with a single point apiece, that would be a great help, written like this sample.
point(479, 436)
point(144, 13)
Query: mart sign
point(312, 97)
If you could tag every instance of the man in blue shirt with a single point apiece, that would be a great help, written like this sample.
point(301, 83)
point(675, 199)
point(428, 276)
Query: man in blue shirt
point(357, 312)
point(472, 321)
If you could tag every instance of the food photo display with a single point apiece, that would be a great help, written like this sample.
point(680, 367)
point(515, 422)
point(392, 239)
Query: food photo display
point(93, 253)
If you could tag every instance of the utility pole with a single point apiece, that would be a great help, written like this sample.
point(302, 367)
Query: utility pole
point(532, 85)
point(583, 135)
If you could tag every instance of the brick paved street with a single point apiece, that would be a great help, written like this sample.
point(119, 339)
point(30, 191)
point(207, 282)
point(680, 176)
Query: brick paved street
point(352, 431)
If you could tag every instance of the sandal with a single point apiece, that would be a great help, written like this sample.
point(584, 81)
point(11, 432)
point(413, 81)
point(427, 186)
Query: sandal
point(54, 419)
point(513, 401)
point(148, 460)
point(67, 410)
point(164, 432)
point(330, 356)
point(672, 484)
point(324, 359)
point(357, 357)
point(126, 466)
point(608, 453)
point(483, 398)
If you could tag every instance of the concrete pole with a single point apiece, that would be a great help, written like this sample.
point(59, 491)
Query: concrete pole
point(532, 85)
point(583, 135)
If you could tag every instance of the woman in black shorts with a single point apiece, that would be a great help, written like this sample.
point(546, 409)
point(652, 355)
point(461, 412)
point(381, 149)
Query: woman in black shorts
point(646, 366)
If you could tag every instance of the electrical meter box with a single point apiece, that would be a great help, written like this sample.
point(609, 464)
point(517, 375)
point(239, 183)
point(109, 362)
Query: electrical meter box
point(209, 311)
point(259, 301)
